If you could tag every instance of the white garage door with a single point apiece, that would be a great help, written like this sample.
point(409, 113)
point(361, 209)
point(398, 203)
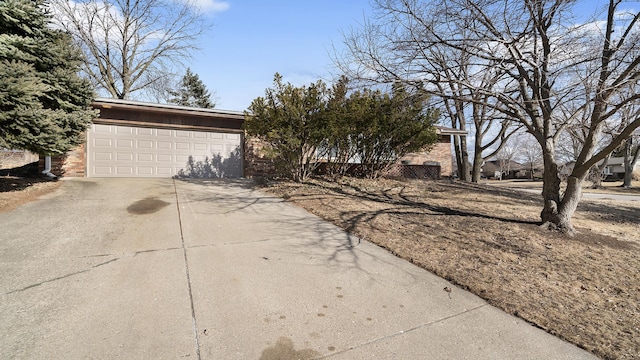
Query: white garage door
point(126, 151)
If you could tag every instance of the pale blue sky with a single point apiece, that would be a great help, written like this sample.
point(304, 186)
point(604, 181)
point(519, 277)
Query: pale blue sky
point(253, 39)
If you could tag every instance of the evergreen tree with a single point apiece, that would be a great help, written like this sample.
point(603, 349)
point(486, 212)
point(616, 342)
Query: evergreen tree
point(192, 92)
point(44, 104)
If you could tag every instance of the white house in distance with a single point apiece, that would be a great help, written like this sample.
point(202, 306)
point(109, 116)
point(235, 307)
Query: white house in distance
point(615, 168)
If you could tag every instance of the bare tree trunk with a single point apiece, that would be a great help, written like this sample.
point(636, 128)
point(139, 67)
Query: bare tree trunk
point(462, 156)
point(630, 160)
point(569, 204)
point(477, 166)
point(550, 190)
point(596, 172)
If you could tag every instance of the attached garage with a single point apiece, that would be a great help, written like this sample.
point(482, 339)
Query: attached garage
point(129, 151)
point(136, 139)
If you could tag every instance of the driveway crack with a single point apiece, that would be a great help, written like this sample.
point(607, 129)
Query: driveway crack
point(186, 266)
point(62, 277)
point(401, 332)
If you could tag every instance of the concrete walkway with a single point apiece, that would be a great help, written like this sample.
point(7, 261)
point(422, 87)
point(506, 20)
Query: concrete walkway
point(157, 269)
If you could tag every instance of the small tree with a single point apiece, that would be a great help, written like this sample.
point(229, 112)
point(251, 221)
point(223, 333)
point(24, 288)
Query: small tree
point(388, 126)
point(289, 120)
point(191, 92)
point(44, 104)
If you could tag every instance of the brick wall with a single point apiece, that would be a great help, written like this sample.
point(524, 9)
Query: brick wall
point(256, 164)
point(71, 164)
point(440, 153)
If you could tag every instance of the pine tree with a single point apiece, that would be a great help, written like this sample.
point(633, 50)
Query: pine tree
point(192, 92)
point(44, 104)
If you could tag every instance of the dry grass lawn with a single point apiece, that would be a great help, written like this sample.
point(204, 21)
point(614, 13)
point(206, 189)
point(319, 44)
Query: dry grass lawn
point(15, 190)
point(486, 239)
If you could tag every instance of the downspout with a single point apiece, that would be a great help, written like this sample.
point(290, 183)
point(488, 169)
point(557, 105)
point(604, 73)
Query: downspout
point(47, 168)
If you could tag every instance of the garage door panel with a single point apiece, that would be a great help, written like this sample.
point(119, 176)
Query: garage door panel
point(102, 128)
point(124, 170)
point(124, 143)
point(163, 145)
point(144, 157)
point(101, 170)
point(127, 151)
point(124, 130)
point(144, 144)
point(100, 142)
point(182, 146)
point(144, 170)
point(102, 156)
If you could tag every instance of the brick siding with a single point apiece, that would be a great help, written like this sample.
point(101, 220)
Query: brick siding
point(440, 153)
point(256, 164)
point(71, 164)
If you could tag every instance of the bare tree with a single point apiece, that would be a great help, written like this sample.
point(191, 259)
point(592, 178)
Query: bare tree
point(529, 153)
point(400, 48)
point(508, 154)
point(545, 57)
point(131, 46)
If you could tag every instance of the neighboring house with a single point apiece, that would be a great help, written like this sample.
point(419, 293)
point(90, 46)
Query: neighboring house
point(615, 168)
point(137, 139)
point(499, 169)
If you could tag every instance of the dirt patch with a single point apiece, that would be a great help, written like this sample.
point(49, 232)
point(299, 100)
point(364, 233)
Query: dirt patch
point(585, 289)
point(16, 191)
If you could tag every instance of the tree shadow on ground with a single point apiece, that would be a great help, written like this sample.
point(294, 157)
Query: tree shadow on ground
point(215, 167)
point(404, 205)
point(20, 178)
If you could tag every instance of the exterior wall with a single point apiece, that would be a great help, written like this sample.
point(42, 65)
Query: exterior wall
point(255, 162)
point(440, 153)
point(71, 164)
point(112, 112)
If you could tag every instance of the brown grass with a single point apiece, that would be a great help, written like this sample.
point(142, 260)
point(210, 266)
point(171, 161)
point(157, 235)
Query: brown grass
point(584, 289)
point(606, 187)
point(16, 191)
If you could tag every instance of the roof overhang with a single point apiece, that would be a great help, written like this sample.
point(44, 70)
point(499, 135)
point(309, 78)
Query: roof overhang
point(442, 130)
point(104, 103)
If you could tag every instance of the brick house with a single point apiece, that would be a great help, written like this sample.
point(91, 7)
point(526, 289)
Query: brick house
point(440, 154)
point(137, 139)
point(426, 164)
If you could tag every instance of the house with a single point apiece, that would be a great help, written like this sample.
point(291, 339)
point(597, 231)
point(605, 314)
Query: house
point(137, 139)
point(502, 169)
point(615, 168)
point(440, 155)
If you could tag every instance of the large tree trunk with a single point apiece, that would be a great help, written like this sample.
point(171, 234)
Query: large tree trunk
point(462, 156)
point(630, 159)
point(477, 165)
point(550, 189)
point(558, 211)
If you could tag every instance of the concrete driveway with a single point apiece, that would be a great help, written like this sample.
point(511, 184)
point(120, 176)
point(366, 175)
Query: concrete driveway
point(157, 269)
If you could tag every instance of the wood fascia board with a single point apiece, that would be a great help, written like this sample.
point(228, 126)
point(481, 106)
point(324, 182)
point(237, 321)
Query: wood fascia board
point(101, 121)
point(167, 109)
